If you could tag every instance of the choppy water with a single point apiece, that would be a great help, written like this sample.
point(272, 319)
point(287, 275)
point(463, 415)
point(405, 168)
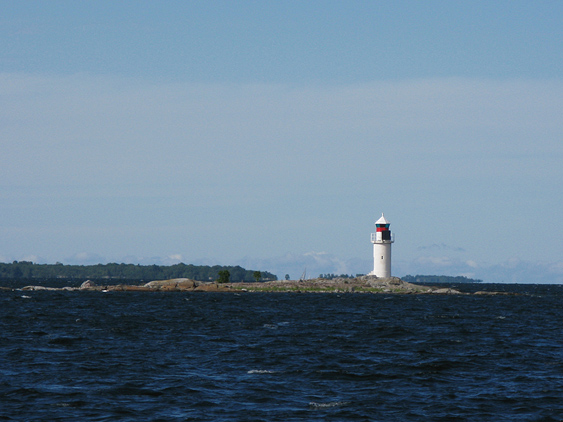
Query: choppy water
point(141, 356)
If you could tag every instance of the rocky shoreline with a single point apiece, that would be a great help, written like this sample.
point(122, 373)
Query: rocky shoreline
point(364, 284)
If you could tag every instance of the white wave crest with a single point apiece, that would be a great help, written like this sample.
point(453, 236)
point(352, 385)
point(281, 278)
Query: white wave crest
point(260, 371)
point(329, 404)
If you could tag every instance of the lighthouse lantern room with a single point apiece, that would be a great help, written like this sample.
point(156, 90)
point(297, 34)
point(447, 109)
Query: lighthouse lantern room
point(382, 239)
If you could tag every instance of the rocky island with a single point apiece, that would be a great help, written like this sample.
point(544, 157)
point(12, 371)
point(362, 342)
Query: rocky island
point(363, 284)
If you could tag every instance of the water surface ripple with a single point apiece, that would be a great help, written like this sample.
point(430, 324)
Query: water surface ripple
point(139, 356)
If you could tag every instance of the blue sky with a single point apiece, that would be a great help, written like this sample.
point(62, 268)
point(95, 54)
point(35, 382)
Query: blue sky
point(273, 134)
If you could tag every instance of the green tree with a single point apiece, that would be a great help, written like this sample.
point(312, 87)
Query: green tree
point(257, 276)
point(17, 273)
point(287, 276)
point(224, 276)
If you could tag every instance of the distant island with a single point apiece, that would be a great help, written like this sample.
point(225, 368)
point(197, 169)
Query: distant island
point(116, 272)
point(111, 277)
point(436, 279)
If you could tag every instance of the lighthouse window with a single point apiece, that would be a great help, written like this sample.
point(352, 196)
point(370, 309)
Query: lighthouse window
point(381, 256)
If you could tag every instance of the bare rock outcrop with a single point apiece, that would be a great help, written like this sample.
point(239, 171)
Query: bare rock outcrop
point(39, 288)
point(366, 284)
point(87, 285)
point(172, 284)
point(446, 291)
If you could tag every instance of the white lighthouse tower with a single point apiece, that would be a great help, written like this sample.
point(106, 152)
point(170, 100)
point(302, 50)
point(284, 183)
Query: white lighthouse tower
point(382, 239)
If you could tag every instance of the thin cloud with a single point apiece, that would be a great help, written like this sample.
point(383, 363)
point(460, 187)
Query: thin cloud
point(441, 247)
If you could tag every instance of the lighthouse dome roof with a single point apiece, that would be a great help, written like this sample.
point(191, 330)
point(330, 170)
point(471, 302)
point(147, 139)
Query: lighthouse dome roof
point(382, 220)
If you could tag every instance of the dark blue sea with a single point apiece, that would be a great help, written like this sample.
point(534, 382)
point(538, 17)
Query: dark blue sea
point(140, 356)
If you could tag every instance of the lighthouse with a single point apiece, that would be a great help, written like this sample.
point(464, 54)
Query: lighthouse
point(382, 239)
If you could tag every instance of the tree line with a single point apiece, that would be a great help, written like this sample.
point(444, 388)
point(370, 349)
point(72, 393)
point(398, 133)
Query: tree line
point(30, 270)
